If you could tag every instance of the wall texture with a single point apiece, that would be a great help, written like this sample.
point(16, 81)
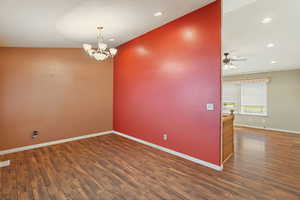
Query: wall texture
point(61, 93)
point(283, 101)
point(163, 81)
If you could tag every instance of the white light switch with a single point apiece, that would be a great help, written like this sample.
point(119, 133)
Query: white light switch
point(210, 106)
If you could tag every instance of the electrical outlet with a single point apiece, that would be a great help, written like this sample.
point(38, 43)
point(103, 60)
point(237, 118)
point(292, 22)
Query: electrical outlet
point(165, 137)
point(34, 134)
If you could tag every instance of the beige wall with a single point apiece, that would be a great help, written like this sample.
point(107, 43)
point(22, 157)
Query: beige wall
point(61, 93)
point(283, 101)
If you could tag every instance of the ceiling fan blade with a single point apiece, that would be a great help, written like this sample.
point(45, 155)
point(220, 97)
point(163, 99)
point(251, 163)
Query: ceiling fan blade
point(239, 59)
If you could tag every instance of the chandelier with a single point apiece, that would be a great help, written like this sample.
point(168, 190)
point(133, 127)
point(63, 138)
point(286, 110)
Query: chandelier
point(102, 52)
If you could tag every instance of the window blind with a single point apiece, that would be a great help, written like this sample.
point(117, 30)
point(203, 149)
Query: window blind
point(231, 97)
point(254, 98)
point(254, 94)
point(231, 92)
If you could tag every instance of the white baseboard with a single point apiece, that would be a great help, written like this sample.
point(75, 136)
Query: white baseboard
point(5, 163)
point(53, 142)
point(268, 129)
point(35, 146)
point(198, 161)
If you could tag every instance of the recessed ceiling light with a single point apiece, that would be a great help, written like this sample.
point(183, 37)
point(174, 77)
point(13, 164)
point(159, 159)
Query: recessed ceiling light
point(111, 39)
point(266, 20)
point(270, 45)
point(273, 62)
point(157, 14)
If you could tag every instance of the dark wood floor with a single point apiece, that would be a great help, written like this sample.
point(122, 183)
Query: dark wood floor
point(265, 166)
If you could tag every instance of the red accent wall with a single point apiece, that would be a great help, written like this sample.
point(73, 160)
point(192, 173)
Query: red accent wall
point(163, 81)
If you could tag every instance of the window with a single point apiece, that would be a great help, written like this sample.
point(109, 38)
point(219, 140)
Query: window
point(254, 98)
point(245, 97)
point(231, 93)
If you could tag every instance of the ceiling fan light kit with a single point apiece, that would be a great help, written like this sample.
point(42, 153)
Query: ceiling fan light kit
point(102, 52)
point(227, 61)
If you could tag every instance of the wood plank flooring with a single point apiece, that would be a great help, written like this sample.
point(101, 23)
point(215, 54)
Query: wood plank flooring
point(265, 166)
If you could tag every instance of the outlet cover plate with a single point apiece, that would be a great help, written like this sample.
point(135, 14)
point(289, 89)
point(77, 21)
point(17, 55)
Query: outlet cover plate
point(165, 137)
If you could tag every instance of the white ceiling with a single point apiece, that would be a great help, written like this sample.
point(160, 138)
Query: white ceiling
point(69, 23)
point(246, 36)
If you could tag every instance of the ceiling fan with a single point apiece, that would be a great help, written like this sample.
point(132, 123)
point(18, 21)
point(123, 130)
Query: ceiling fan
point(227, 60)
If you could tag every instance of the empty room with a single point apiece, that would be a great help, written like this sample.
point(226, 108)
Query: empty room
point(149, 100)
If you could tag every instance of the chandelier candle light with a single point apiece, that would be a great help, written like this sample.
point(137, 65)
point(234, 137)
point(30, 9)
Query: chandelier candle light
point(102, 52)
